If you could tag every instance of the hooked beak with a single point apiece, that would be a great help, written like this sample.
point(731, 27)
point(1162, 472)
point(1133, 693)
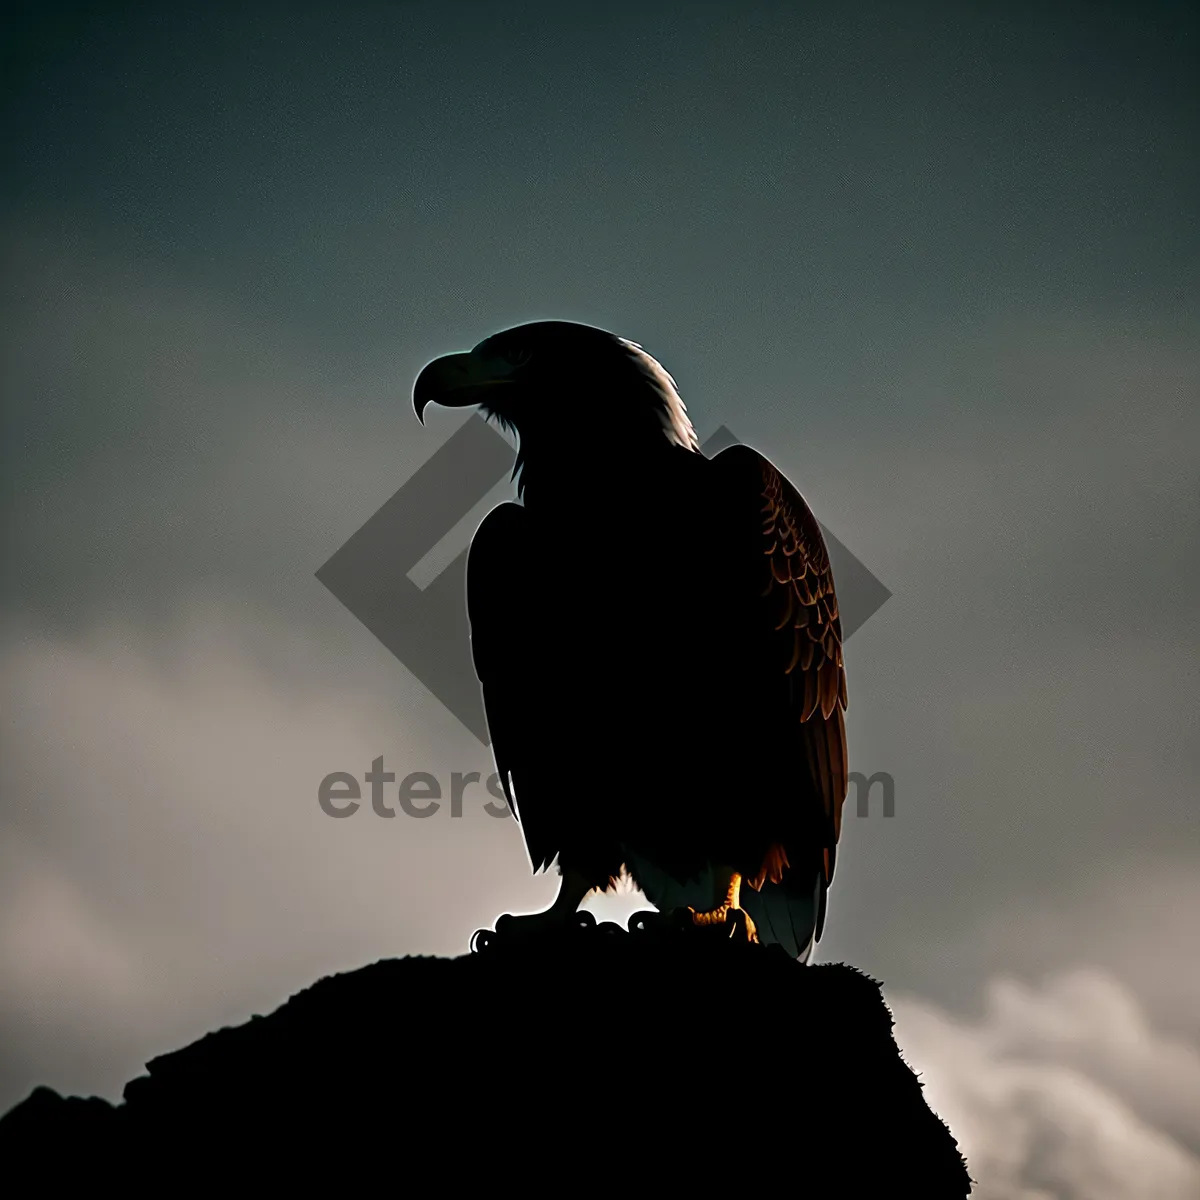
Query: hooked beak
point(458, 381)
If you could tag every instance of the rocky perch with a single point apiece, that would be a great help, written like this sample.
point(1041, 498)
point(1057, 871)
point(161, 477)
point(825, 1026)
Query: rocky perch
point(588, 1060)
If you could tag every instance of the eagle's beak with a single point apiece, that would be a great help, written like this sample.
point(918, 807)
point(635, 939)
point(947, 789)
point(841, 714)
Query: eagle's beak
point(458, 381)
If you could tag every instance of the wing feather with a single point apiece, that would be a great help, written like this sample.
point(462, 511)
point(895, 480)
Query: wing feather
point(800, 610)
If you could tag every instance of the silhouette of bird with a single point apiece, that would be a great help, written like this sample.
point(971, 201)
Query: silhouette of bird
point(657, 639)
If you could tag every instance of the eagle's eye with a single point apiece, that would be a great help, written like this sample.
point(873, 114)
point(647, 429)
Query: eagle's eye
point(515, 356)
point(512, 353)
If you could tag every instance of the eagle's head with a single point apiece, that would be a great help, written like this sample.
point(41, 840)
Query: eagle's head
point(558, 384)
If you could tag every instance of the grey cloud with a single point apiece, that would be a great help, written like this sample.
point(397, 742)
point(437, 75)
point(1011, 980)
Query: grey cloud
point(1062, 1090)
point(1134, 918)
point(164, 840)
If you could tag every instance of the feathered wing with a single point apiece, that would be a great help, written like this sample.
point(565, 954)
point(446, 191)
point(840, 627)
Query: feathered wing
point(505, 662)
point(797, 605)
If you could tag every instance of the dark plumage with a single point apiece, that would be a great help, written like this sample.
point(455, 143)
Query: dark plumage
point(657, 638)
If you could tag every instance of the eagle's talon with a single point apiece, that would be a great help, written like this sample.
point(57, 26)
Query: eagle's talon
point(736, 920)
point(549, 924)
point(739, 922)
point(646, 921)
point(730, 914)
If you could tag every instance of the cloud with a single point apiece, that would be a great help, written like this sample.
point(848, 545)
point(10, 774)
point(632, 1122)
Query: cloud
point(1061, 1092)
point(52, 944)
point(167, 867)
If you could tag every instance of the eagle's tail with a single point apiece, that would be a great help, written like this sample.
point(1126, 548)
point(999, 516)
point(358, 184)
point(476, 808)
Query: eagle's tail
point(786, 914)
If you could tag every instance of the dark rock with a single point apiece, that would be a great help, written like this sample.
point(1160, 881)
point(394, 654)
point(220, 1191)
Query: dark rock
point(599, 1056)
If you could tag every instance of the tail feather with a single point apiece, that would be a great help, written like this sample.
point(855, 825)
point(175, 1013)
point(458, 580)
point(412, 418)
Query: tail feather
point(786, 913)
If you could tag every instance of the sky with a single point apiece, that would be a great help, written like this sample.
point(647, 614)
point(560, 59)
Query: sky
point(938, 262)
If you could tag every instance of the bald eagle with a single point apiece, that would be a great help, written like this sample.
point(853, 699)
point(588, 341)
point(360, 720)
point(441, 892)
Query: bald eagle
point(657, 639)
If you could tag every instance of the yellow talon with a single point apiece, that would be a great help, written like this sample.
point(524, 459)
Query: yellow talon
point(718, 915)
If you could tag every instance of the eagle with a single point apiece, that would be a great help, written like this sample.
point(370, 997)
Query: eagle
point(657, 641)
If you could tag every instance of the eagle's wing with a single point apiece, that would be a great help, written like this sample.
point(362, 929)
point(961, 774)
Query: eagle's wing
point(499, 590)
point(798, 608)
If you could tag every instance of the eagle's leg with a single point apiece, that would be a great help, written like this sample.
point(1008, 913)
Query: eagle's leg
point(574, 885)
point(732, 903)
